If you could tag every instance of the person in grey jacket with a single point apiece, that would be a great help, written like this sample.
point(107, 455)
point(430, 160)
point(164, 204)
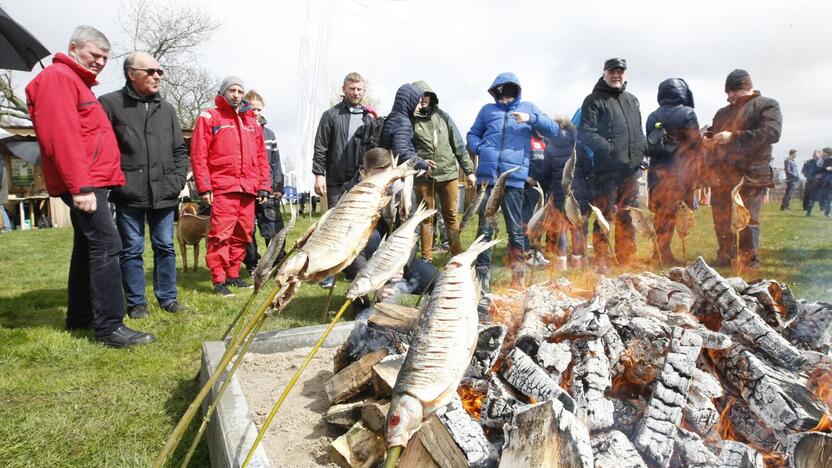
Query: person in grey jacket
point(792, 179)
point(155, 162)
point(338, 124)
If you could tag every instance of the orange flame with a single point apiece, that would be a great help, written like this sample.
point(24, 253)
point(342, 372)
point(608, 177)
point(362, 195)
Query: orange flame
point(472, 401)
point(725, 426)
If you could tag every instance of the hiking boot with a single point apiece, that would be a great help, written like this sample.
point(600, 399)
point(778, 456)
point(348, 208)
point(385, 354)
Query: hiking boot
point(222, 290)
point(137, 312)
point(124, 337)
point(174, 307)
point(238, 283)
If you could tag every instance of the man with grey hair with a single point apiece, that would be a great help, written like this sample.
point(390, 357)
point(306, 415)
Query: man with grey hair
point(330, 163)
point(81, 162)
point(154, 158)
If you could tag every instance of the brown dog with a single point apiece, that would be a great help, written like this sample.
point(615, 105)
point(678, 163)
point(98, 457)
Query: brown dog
point(190, 230)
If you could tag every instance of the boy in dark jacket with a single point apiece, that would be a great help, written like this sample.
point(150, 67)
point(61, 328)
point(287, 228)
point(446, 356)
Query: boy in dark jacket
point(672, 144)
point(154, 158)
point(501, 138)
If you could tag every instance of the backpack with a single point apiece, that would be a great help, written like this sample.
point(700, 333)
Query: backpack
point(365, 138)
point(660, 144)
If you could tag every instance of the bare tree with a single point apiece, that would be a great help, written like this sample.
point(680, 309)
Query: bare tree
point(12, 106)
point(172, 33)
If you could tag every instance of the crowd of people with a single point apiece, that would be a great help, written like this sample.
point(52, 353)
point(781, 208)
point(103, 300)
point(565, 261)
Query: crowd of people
point(127, 148)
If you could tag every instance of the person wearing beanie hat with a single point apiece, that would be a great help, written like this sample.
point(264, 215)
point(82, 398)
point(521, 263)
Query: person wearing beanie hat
point(611, 128)
point(740, 150)
point(232, 172)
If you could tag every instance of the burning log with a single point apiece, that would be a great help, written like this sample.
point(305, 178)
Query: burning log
point(777, 396)
point(812, 327)
point(661, 292)
point(705, 384)
point(627, 414)
point(810, 450)
point(489, 344)
point(461, 433)
point(739, 455)
point(500, 405)
point(700, 414)
point(647, 341)
point(614, 450)
point(589, 319)
point(345, 414)
point(657, 431)
point(590, 381)
point(554, 357)
point(531, 380)
point(353, 378)
point(373, 413)
point(691, 452)
point(400, 318)
point(546, 435)
point(384, 375)
point(357, 448)
point(776, 299)
point(714, 340)
point(542, 306)
point(745, 424)
point(365, 339)
point(739, 320)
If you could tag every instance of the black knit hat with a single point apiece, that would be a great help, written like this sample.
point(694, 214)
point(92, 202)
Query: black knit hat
point(615, 63)
point(738, 79)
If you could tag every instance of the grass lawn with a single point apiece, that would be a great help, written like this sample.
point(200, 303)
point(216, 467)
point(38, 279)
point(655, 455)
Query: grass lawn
point(67, 401)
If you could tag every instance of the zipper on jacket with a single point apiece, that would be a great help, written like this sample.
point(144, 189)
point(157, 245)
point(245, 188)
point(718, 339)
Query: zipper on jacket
point(147, 151)
point(502, 143)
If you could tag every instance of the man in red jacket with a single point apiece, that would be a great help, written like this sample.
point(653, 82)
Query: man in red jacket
point(81, 162)
point(232, 172)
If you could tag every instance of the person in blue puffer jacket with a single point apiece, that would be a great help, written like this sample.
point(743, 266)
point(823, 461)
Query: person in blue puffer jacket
point(501, 138)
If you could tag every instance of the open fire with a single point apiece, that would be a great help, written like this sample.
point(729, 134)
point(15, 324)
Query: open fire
point(687, 369)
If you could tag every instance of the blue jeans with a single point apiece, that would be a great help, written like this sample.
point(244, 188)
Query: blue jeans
point(130, 223)
point(512, 205)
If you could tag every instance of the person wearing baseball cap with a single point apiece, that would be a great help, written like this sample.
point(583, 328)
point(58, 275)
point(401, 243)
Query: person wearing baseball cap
point(611, 127)
point(232, 172)
point(743, 134)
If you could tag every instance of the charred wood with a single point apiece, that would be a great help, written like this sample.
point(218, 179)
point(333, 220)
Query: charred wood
point(589, 319)
point(701, 415)
point(661, 291)
point(365, 339)
point(555, 358)
point(590, 382)
point(751, 429)
point(812, 327)
point(691, 451)
point(739, 455)
point(614, 450)
point(657, 431)
point(546, 435)
point(521, 372)
point(468, 436)
point(810, 450)
point(489, 345)
point(628, 413)
point(500, 404)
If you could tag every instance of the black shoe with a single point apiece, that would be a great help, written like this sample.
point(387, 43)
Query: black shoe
point(238, 283)
point(123, 337)
point(222, 290)
point(137, 312)
point(174, 307)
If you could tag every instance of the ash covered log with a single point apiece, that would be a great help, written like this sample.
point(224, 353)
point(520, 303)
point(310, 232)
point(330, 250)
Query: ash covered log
point(397, 317)
point(521, 372)
point(714, 340)
point(365, 339)
point(656, 434)
point(739, 455)
point(775, 298)
point(489, 344)
point(546, 435)
point(661, 291)
point(812, 327)
point(614, 450)
point(590, 381)
point(700, 414)
point(353, 378)
point(384, 375)
point(777, 396)
point(647, 341)
point(357, 448)
point(627, 414)
point(810, 450)
point(692, 452)
point(589, 319)
point(750, 428)
point(613, 347)
point(542, 307)
point(373, 413)
point(468, 436)
point(344, 415)
point(739, 320)
point(554, 357)
point(500, 404)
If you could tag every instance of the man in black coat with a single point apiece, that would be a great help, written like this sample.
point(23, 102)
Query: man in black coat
point(810, 170)
point(611, 127)
point(672, 144)
point(154, 158)
point(743, 133)
point(330, 163)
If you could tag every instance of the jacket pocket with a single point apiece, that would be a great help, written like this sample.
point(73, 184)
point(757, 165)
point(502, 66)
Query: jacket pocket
point(134, 189)
point(170, 184)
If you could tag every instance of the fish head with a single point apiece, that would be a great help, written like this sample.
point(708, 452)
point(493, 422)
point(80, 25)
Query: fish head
point(359, 287)
point(403, 420)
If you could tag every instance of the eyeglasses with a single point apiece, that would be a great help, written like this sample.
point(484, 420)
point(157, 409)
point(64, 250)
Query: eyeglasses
point(150, 71)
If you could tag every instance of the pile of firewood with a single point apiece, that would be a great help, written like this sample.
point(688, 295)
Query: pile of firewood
point(688, 369)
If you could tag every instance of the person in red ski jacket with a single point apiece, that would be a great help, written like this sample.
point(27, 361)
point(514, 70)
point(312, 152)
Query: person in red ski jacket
point(81, 161)
point(231, 170)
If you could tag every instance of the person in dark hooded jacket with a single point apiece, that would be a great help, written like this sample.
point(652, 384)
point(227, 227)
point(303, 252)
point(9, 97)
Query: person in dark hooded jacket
point(560, 158)
point(611, 127)
point(672, 144)
point(397, 132)
point(501, 138)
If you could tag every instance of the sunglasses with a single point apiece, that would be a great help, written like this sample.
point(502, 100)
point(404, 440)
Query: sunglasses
point(150, 71)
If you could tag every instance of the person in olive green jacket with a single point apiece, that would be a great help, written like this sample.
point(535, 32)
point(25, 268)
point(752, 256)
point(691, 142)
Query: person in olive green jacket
point(436, 138)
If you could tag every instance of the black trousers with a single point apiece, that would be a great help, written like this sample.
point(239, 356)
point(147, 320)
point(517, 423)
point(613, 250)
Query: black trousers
point(609, 192)
point(94, 287)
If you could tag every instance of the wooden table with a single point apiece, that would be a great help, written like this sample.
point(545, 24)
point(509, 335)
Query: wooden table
point(34, 201)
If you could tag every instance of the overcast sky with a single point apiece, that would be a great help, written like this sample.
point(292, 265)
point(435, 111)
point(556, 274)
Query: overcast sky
point(459, 47)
